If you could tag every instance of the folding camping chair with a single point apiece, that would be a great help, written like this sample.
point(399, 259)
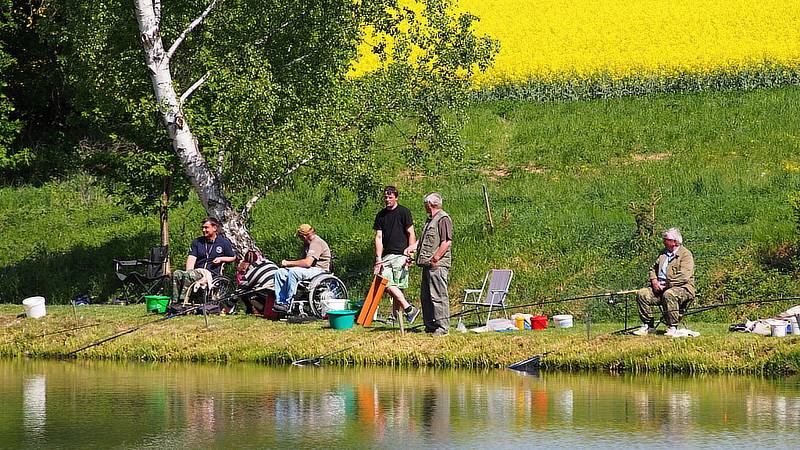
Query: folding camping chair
point(492, 293)
point(145, 275)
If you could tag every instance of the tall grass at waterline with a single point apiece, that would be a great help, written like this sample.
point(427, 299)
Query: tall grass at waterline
point(560, 176)
point(234, 339)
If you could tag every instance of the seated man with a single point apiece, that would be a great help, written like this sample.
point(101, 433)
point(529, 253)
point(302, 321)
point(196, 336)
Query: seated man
point(210, 251)
point(671, 285)
point(315, 259)
point(256, 273)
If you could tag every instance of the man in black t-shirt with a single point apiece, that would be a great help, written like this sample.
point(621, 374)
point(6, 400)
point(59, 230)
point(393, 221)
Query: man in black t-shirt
point(394, 243)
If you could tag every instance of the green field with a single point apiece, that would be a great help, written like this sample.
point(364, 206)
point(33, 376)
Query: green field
point(562, 178)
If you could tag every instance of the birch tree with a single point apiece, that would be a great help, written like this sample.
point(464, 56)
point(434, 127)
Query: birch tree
point(250, 94)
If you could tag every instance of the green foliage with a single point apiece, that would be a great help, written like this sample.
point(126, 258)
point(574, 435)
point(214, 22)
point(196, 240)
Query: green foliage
point(563, 174)
point(758, 75)
point(9, 125)
point(277, 90)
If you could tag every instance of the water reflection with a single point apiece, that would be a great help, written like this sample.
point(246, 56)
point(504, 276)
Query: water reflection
point(34, 407)
point(79, 404)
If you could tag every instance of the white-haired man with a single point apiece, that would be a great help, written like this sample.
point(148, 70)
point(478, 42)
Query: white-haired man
point(671, 285)
point(433, 256)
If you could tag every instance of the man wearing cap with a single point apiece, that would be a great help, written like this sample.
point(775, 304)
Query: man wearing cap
point(210, 251)
point(671, 286)
point(315, 258)
point(394, 243)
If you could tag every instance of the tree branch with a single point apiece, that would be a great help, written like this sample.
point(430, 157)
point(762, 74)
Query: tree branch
point(157, 12)
point(280, 27)
point(189, 29)
point(194, 87)
point(272, 184)
point(220, 160)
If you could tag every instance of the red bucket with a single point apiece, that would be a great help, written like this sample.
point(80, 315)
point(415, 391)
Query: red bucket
point(539, 322)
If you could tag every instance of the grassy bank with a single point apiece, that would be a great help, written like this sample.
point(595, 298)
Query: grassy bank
point(241, 338)
point(566, 182)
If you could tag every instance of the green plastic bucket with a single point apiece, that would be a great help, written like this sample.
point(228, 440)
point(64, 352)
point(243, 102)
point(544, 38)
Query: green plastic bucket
point(157, 303)
point(341, 319)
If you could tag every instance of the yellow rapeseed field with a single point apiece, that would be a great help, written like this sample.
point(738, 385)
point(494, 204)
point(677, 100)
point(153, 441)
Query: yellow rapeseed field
point(558, 39)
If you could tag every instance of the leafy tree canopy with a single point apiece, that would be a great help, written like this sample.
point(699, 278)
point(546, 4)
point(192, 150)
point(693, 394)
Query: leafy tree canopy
point(275, 88)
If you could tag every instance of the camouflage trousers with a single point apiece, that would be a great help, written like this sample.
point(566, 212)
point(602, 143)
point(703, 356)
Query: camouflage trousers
point(671, 301)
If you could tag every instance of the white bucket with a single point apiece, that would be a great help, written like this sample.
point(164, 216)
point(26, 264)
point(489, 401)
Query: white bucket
point(563, 321)
point(778, 327)
point(333, 304)
point(795, 327)
point(34, 307)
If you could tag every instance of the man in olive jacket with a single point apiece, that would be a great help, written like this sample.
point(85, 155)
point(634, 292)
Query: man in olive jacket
point(671, 285)
point(433, 256)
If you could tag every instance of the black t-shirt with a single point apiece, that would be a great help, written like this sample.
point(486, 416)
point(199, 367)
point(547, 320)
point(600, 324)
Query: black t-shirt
point(394, 223)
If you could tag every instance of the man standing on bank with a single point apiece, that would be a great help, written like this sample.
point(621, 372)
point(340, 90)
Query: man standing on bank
point(671, 285)
point(395, 241)
point(433, 256)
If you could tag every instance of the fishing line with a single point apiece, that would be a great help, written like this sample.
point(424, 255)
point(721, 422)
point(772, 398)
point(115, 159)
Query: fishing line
point(131, 330)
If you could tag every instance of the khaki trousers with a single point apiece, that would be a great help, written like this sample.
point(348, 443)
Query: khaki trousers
point(434, 299)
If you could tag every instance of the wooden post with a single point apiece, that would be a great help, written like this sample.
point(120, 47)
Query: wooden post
point(165, 188)
point(488, 209)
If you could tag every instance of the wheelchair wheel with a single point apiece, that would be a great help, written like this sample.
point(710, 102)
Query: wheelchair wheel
point(324, 287)
point(223, 294)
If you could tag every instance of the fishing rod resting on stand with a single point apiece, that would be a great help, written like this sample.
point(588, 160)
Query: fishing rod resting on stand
point(701, 309)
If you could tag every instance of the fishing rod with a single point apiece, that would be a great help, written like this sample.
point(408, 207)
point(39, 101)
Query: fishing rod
point(611, 295)
point(704, 308)
point(318, 360)
point(66, 330)
point(131, 330)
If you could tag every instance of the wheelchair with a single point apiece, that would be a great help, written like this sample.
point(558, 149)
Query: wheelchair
point(312, 293)
point(221, 294)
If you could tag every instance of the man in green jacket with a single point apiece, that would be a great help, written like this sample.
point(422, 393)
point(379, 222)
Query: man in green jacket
point(671, 286)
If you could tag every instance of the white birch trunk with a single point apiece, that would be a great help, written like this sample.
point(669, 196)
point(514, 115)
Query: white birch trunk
point(207, 186)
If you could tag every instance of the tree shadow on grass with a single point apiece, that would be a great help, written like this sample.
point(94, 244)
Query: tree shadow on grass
point(59, 277)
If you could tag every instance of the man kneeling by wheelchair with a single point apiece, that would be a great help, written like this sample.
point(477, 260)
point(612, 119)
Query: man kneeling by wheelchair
point(315, 258)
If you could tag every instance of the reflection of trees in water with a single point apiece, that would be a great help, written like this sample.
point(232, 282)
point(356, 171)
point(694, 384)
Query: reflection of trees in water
point(194, 405)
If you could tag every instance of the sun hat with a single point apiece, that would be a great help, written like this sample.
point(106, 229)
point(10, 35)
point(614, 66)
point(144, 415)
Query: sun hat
point(304, 230)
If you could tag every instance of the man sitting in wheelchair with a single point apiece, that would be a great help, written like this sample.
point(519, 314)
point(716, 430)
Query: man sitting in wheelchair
point(315, 258)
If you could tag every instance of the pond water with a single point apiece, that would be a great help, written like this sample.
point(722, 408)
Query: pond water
point(80, 404)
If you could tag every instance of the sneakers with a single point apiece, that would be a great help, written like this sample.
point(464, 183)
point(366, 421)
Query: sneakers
point(412, 315)
point(644, 330)
point(671, 331)
point(685, 332)
point(280, 308)
point(440, 332)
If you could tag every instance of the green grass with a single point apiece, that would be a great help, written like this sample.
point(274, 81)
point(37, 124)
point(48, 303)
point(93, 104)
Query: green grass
point(561, 177)
point(238, 338)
